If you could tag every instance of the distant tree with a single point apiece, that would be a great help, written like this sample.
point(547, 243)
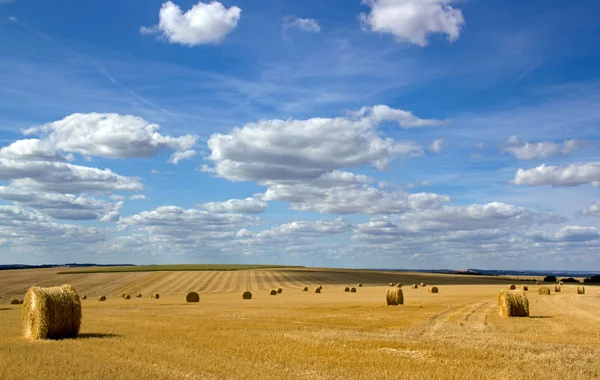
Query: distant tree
point(550, 279)
point(593, 279)
point(570, 279)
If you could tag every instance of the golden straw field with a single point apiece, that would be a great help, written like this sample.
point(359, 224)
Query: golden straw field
point(454, 334)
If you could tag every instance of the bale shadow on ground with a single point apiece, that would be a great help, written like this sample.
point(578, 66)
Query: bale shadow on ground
point(541, 316)
point(98, 336)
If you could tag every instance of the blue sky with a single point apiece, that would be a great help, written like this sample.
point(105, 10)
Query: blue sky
point(375, 133)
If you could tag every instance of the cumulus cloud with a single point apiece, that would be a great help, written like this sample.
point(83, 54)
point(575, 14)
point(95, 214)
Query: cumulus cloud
point(108, 135)
point(202, 24)
point(348, 193)
point(593, 209)
point(63, 177)
point(307, 149)
point(243, 206)
point(533, 151)
point(303, 24)
point(413, 21)
point(302, 229)
point(567, 234)
point(569, 175)
point(61, 206)
point(436, 145)
point(32, 150)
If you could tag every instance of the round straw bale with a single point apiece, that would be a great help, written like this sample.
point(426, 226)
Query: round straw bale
point(279, 290)
point(139, 295)
point(399, 285)
point(544, 291)
point(321, 287)
point(391, 284)
point(512, 287)
point(434, 289)
point(305, 289)
point(155, 296)
point(192, 297)
point(51, 313)
point(247, 295)
point(127, 297)
point(21, 301)
point(557, 289)
point(102, 298)
point(346, 289)
point(580, 290)
point(317, 290)
point(415, 286)
point(538, 283)
point(423, 285)
point(560, 283)
point(513, 303)
point(84, 297)
point(360, 285)
point(394, 297)
point(273, 292)
point(15, 302)
point(123, 295)
point(353, 290)
point(524, 288)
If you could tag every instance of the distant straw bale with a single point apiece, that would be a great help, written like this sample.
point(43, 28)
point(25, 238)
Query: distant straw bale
point(346, 289)
point(51, 313)
point(399, 285)
point(247, 295)
point(102, 298)
point(353, 290)
point(21, 302)
point(192, 297)
point(394, 296)
point(415, 286)
point(580, 290)
point(512, 287)
point(155, 296)
point(434, 289)
point(524, 288)
point(513, 303)
point(538, 283)
point(544, 291)
point(139, 295)
point(126, 296)
point(391, 284)
point(15, 302)
point(279, 290)
point(273, 292)
point(317, 290)
point(360, 285)
point(84, 297)
point(557, 289)
point(321, 287)
point(561, 283)
point(305, 289)
point(423, 285)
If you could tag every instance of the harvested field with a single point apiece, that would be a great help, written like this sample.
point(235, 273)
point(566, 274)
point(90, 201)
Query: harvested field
point(457, 331)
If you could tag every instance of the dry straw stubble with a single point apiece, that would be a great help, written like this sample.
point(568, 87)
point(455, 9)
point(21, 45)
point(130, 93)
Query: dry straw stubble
point(513, 303)
point(192, 297)
point(394, 296)
point(51, 313)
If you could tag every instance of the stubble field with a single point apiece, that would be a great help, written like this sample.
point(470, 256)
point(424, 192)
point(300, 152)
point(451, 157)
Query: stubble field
point(456, 334)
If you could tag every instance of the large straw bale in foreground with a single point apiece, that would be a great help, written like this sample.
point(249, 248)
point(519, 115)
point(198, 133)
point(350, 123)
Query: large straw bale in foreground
point(544, 291)
point(513, 303)
point(394, 296)
point(580, 290)
point(51, 313)
point(192, 297)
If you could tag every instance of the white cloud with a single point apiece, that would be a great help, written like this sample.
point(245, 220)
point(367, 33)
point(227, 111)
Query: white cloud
point(480, 145)
point(244, 206)
point(63, 177)
point(413, 20)
point(137, 197)
point(405, 119)
point(347, 193)
point(593, 209)
point(303, 24)
point(116, 197)
point(567, 234)
point(32, 150)
point(305, 149)
point(60, 206)
point(6, 2)
point(202, 24)
point(532, 151)
point(436, 145)
point(108, 135)
point(569, 175)
point(302, 229)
